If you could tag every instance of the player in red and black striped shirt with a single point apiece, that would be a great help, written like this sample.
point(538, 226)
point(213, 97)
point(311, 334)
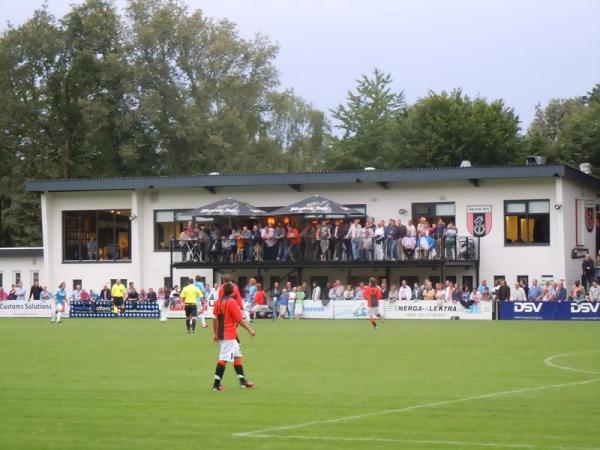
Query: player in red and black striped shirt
point(226, 318)
point(373, 296)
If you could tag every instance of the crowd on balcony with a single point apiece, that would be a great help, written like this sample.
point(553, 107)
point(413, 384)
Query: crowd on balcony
point(325, 240)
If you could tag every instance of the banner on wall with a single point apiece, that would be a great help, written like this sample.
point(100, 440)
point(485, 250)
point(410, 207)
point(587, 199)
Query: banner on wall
point(22, 308)
point(104, 309)
point(430, 309)
point(549, 311)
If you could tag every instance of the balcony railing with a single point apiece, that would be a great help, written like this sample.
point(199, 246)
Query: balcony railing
point(246, 251)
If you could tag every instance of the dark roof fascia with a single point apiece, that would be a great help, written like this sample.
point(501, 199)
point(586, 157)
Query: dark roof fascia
point(379, 176)
point(21, 251)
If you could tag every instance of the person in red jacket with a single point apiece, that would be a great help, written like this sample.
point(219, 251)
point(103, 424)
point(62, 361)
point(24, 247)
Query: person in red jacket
point(236, 290)
point(372, 295)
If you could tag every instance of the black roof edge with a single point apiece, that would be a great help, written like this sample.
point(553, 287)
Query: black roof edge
point(304, 178)
point(21, 251)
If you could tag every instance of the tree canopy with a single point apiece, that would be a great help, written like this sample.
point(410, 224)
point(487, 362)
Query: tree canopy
point(157, 89)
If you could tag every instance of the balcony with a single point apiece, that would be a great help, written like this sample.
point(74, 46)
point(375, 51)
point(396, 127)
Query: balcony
point(361, 252)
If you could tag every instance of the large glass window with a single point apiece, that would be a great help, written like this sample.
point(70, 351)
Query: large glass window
point(169, 225)
point(527, 222)
point(97, 235)
point(433, 212)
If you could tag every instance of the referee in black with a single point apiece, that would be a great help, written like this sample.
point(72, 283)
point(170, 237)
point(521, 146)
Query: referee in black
point(190, 295)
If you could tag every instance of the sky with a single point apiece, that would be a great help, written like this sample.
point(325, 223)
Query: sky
point(523, 51)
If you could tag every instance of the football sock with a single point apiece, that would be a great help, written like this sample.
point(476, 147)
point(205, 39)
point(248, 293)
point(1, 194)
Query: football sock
point(373, 322)
point(58, 316)
point(239, 369)
point(219, 372)
point(246, 316)
point(193, 324)
point(203, 320)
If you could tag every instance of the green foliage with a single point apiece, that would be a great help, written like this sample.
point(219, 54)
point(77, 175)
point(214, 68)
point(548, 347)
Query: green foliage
point(370, 121)
point(568, 130)
point(158, 91)
point(444, 129)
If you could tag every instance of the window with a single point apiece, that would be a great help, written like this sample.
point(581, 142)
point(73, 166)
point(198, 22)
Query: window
point(17, 277)
point(434, 211)
point(467, 280)
point(77, 283)
point(1, 280)
point(527, 222)
point(97, 235)
point(169, 225)
point(35, 277)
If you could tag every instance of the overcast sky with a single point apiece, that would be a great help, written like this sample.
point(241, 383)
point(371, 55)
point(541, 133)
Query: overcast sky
point(525, 52)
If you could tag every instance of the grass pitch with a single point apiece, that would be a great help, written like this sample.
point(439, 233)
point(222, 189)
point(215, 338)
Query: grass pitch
point(141, 384)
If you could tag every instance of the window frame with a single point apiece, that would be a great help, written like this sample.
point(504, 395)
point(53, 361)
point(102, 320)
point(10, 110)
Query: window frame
point(415, 216)
point(96, 212)
point(527, 215)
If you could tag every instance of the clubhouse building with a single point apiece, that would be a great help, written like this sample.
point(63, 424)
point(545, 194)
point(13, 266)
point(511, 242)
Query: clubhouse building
point(513, 222)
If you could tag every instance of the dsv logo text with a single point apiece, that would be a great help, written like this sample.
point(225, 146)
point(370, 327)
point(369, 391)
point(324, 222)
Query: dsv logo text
point(585, 308)
point(528, 307)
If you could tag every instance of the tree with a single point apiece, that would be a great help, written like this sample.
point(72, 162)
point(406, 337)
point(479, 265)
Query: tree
point(567, 130)
point(369, 122)
point(443, 129)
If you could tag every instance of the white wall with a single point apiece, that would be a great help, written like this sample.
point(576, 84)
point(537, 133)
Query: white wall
point(148, 268)
point(26, 265)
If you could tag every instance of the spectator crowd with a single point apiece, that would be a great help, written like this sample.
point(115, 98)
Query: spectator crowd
point(327, 240)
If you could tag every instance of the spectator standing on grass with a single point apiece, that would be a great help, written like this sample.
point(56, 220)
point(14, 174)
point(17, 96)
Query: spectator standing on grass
point(20, 291)
point(283, 304)
point(393, 295)
point(105, 293)
point(405, 292)
point(132, 295)
point(274, 295)
point(561, 292)
point(34, 292)
point(291, 300)
point(299, 308)
point(46, 295)
point(535, 292)
point(349, 293)
point(316, 292)
point(3, 294)
point(12, 294)
point(503, 291)
point(151, 296)
point(482, 286)
point(594, 292)
point(428, 291)
point(589, 271)
point(578, 292)
point(518, 294)
point(385, 291)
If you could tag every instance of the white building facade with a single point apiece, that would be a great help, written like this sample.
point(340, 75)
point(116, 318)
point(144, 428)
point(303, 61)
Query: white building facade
point(543, 220)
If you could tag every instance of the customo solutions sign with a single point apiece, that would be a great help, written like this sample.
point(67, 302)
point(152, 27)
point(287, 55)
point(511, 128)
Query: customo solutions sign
point(22, 308)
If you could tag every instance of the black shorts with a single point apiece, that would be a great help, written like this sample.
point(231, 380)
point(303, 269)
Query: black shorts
point(191, 310)
point(118, 302)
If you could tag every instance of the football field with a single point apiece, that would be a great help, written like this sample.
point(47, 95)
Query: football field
point(142, 384)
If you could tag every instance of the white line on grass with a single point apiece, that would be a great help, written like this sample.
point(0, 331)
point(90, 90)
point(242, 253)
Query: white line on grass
point(418, 442)
point(415, 407)
point(549, 363)
point(266, 432)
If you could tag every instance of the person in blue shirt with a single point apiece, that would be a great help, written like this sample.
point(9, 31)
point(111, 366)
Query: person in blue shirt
point(60, 303)
point(201, 300)
point(535, 292)
point(283, 304)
